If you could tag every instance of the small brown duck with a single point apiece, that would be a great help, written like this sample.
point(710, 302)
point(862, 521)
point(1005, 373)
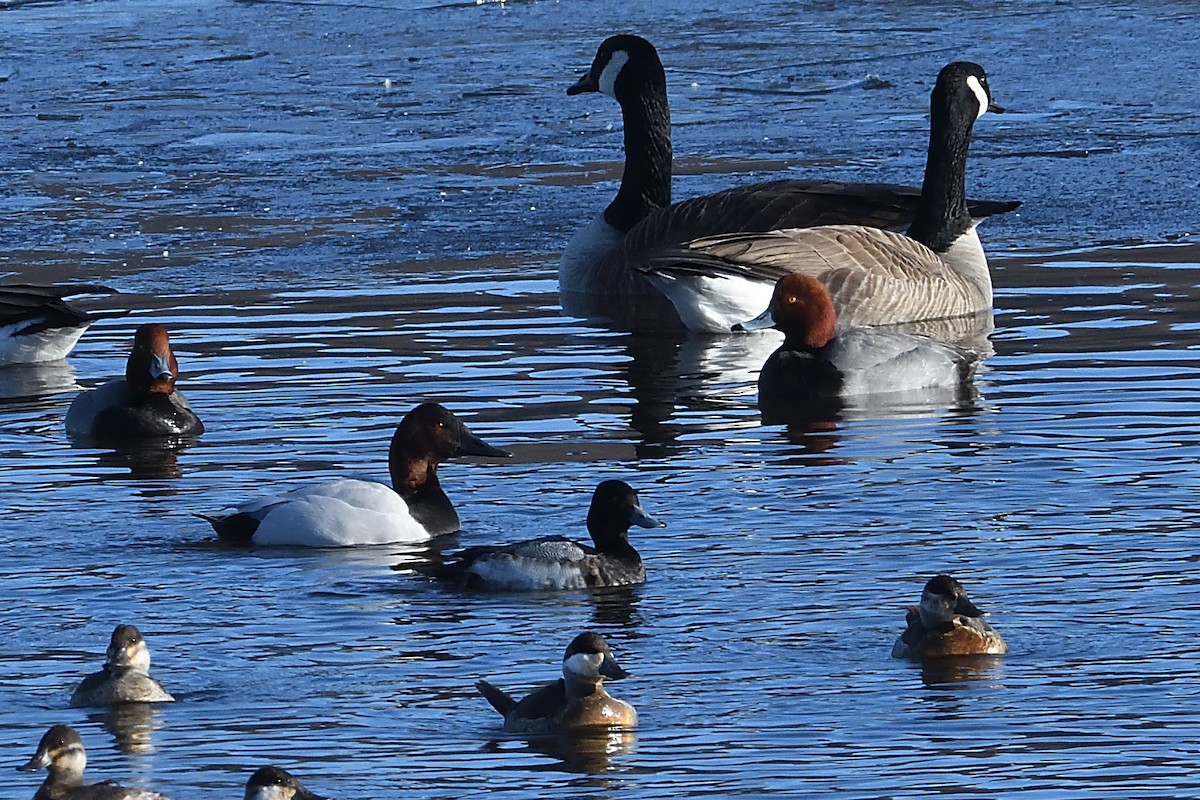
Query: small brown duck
point(125, 677)
point(575, 702)
point(61, 754)
point(946, 624)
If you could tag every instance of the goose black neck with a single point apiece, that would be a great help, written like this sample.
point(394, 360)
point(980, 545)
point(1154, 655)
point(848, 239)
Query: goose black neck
point(646, 182)
point(942, 215)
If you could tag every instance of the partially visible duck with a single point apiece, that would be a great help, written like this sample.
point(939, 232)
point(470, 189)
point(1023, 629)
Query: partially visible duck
point(144, 404)
point(125, 677)
point(599, 268)
point(556, 562)
point(61, 754)
point(877, 277)
point(946, 623)
point(37, 324)
point(816, 361)
point(348, 512)
point(273, 783)
point(577, 701)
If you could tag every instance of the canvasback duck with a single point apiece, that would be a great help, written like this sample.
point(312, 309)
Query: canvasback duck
point(350, 512)
point(61, 754)
point(876, 277)
point(576, 701)
point(599, 270)
point(273, 783)
point(946, 623)
point(125, 677)
point(37, 324)
point(815, 361)
point(144, 404)
point(555, 562)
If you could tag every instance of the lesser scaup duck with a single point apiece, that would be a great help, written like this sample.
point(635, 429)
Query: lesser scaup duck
point(273, 783)
point(37, 324)
point(598, 270)
point(348, 512)
point(125, 677)
point(946, 623)
point(816, 361)
point(555, 562)
point(61, 754)
point(144, 404)
point(576, 701)
point(877, 277)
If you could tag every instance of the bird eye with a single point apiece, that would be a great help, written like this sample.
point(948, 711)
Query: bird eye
point(791, 298)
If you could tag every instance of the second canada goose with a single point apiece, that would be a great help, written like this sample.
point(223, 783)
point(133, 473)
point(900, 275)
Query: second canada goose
point(876, 277)
point(598, 271)
point(37, 324)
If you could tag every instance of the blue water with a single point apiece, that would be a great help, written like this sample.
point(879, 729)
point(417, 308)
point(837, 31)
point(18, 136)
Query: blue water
point(329, 249)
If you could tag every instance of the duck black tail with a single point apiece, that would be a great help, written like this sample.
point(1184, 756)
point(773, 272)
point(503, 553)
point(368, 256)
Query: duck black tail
point(497, 697)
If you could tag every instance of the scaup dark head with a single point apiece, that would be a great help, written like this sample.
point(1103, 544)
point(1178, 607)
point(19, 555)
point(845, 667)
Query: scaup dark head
point(614, 509)
point(589, 658)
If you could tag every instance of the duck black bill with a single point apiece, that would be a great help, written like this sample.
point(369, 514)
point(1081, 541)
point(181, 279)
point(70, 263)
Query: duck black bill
point(609, 668)
point(966, 608)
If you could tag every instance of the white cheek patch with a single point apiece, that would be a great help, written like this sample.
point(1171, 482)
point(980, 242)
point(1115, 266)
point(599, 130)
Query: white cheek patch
point(980, 94)
point(608, 78)
point(586, 664)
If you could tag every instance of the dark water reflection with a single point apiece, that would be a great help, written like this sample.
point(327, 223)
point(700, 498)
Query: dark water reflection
point(341, 210)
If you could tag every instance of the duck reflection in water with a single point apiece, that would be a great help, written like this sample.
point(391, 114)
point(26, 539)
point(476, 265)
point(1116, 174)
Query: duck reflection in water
point(586, 752)
point(132, 725)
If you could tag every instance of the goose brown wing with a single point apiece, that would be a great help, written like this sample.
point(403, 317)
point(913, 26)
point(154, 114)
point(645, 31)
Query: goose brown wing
point(784, 204)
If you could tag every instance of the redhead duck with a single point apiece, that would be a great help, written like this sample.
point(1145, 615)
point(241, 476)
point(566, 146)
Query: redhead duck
point(273, 783)
point(877, 277)
point(576, 701)
point(814, 362)
point(555, 562)
point(144, 404)
point(37, 324)
point(946, 623)
point(125, 677)
point(61, 754)
point(350, 512)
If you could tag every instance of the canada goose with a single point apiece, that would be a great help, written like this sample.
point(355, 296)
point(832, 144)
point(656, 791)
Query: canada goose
point(876, 277)
point(813, 362)
point(597, 273)
point(37, 324)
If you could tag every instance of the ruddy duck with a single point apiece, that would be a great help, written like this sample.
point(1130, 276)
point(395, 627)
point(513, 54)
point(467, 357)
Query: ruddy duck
point(61, 754)
point(555, 562)
point(347, 512)
point(946, 624)
point(273, 783)
point(576, 701)
point(142, 405)
point(125, 677)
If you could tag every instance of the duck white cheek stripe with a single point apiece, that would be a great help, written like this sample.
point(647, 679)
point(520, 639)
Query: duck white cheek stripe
point(582, 664)
point(980, 94)
point(608, 78)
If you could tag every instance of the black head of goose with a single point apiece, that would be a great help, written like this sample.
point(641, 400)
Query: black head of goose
point(876, 277)
point(598, 275)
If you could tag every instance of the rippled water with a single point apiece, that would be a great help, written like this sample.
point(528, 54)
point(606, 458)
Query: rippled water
point(329, 250)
